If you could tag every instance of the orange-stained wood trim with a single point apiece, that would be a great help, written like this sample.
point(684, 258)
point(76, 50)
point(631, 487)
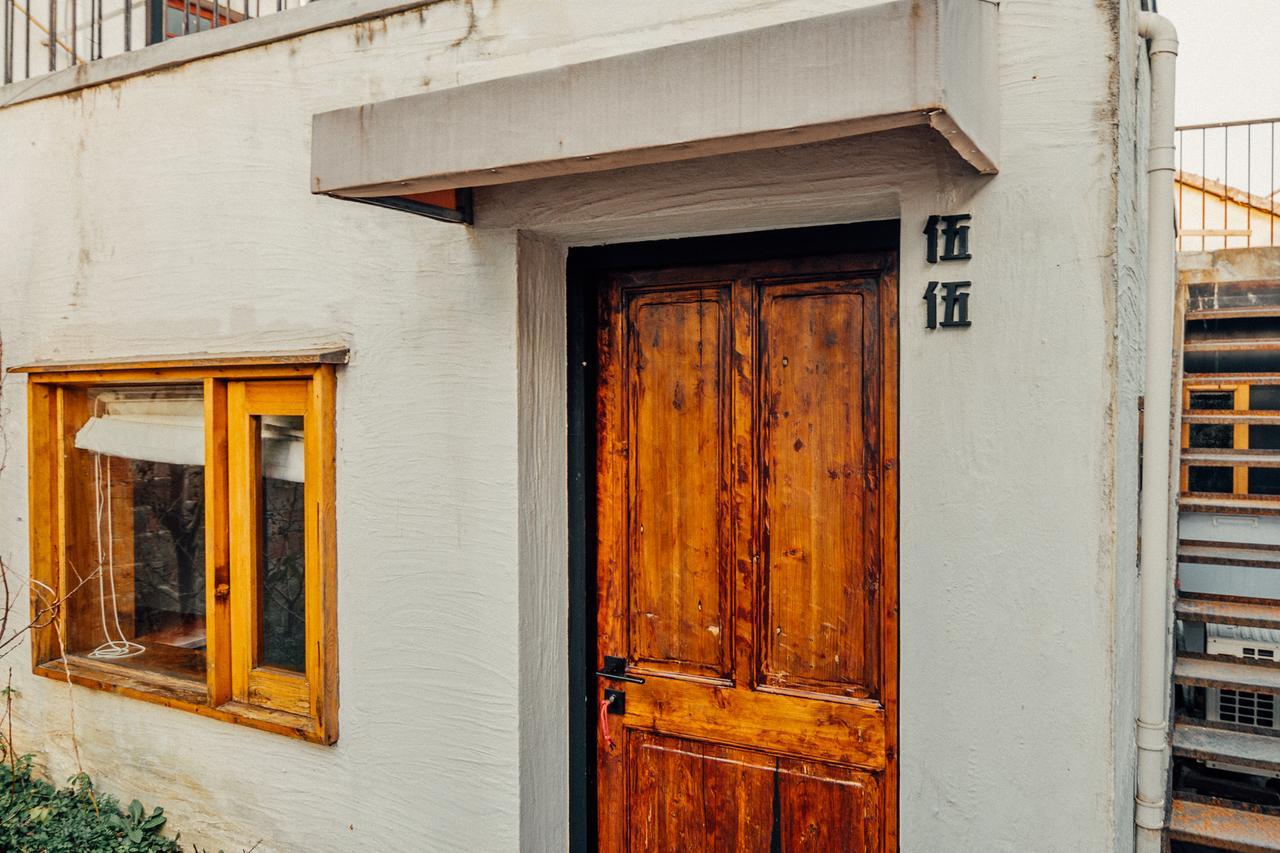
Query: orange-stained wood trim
point(275, 398)
point(73, 411)
point(1184, 471)
point(611, 590)
point(243, 510)
point(217, 543)
point(56, 408)
point(42, 487)
point(194, 361)
point(767, 721)
point(1240, 441)
point(889, 532)
point(314, 693)
point(322, 552)
point(280, 690)
point(173, 375)
point(160, 692)
point(439, 198)
point(744, 474)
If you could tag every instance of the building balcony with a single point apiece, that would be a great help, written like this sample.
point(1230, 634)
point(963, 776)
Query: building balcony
point(49, 47)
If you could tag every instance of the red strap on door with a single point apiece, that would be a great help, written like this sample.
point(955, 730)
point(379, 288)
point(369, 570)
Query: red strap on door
point(604, 721)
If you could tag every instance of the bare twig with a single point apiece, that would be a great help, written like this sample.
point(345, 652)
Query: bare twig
point(71, 711)
point(12, 754)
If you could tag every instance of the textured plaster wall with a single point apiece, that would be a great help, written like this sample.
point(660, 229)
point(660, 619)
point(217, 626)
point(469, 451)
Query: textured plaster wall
point(169, 213)
point(1131, 87)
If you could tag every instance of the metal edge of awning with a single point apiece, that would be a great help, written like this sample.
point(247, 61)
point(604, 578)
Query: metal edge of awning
point(905, 63)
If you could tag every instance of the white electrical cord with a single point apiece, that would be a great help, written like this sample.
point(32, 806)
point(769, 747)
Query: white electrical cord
point(123, 647)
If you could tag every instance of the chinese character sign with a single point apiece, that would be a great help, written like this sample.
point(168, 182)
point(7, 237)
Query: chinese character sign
point(947, 239)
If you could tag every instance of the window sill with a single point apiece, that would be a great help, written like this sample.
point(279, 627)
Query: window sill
point(174, 692)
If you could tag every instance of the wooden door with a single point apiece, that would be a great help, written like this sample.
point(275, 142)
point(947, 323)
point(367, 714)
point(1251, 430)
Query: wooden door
point(746, 568)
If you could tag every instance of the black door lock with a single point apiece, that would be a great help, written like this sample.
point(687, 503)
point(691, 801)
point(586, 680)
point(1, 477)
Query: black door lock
point(616, 701)
point(615, 668)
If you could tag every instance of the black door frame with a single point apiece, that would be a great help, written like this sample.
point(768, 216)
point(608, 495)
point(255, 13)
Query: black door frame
point(585, 266)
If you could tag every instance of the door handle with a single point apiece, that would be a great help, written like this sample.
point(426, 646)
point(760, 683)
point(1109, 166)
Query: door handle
point(615, 668)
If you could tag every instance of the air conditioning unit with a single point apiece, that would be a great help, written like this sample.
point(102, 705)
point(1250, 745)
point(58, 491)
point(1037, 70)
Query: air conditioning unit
point(1243, 707)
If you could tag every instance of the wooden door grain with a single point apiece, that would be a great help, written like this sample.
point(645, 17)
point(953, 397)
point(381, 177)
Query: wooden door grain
point(746, 556)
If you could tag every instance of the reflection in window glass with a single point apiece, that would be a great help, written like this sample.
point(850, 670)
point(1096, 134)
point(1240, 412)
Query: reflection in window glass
point(141, 600)
point(190, 16)
point(282, 573)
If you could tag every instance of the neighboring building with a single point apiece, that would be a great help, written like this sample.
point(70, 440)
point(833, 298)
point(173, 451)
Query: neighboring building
point(1227, 187)
point(1216, 216)
point(1227, 728)
point(351, 503)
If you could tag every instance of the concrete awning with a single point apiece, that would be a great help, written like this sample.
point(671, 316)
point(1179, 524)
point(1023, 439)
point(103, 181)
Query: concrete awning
point(930, 63)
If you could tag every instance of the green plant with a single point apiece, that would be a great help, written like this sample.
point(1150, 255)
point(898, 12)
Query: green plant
point(37, 817)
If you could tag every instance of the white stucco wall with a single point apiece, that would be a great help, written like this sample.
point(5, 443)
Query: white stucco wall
point(1017, 435)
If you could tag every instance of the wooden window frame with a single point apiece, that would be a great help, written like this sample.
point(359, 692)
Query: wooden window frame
point(298, 705)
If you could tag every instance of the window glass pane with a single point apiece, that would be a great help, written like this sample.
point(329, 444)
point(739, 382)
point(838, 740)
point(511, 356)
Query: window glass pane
point(1212, 435)
point(1206, 479)
point(1265, 398)
point(139, 515)
point(282, 574)
point(172, 22)
point(1264, 437)
point(1212, 400)
point(1264, 481)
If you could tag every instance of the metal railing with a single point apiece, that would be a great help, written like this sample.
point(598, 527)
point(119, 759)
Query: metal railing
point(42, 36)
point(1228, 185)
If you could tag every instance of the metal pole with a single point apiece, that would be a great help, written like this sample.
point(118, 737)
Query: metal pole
point(74, 9)
point(128, 27)
point(1203, 187)
point(8, 41)
point(53, 35)
point(1182, 177)
point(1226, 185)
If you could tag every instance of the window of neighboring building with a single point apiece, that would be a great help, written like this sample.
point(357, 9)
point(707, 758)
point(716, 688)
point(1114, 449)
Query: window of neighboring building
point(182, 535)
point(172, 18)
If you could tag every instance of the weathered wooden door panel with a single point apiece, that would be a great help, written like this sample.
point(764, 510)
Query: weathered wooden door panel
point(676, 784)
point(678, 534)
point(825, 808)
point(817, 491)
point(695, 796)
point(746, 556)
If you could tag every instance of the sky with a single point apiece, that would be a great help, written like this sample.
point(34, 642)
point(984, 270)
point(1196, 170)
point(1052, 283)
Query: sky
point(1229, 59)
point(1229, 70)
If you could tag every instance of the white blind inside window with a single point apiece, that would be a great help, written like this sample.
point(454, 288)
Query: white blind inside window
point(171, 430)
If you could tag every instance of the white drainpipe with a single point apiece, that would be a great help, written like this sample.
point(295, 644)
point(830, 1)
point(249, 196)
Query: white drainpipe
point(1157, 508)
